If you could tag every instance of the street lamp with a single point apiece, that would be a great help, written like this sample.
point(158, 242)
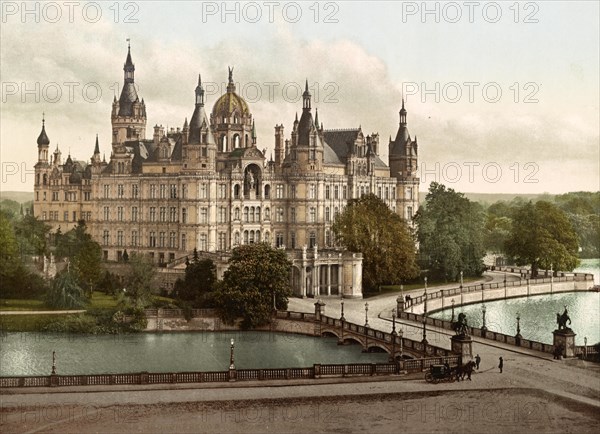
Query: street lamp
point(424, 331)
point(518, 335)
point(366, 314)
point(342, 316)
point(425, 301)
point(401, 333)
point(551, 278)
point(483, 328)
point(461, 288)
point(452, 302)
point(53, 362)
point(231, 365)
point(394, 334)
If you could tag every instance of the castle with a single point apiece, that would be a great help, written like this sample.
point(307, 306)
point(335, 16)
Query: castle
point(208, 186)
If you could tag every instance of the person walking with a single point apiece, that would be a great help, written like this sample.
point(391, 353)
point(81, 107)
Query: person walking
point(501, 364)
point(477, 361)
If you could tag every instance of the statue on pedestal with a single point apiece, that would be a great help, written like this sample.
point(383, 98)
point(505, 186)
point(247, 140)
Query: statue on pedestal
point(561, 320)
point(460, 326)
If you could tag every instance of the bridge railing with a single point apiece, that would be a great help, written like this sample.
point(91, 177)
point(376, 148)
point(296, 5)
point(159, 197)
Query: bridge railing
point(443, 293)
point(313, 372)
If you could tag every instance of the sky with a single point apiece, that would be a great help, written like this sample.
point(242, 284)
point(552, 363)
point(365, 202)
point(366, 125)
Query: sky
point(502, 96)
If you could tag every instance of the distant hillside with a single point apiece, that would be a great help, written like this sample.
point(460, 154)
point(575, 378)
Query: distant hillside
point(17, 196)
point(490, 198)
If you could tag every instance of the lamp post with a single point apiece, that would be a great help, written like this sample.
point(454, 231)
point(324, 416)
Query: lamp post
point(551, 278)
point(585, 347)
point(53, 362)
point(452, 302)
point(231, 364)
point(425, 299)
point(483, 328)
point(518, 335)
point(505, 285)
point(366, 314)
point(342, 316)
point(394, 334)
point(401, 348)
point(461, 288)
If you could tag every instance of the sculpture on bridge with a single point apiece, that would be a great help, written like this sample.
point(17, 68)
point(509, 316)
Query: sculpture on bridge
point(460, 326)
point(562, 320)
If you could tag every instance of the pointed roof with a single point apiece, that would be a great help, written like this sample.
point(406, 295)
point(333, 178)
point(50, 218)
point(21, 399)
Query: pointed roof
point(97, 147)
point(128, 93)
point(43, 137)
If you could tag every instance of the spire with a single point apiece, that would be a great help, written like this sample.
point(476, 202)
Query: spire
point(296, 121)
point(306, 98)
point(253, 133)
point(199, 92)
point(402, 115)
point(129, 67)
point(230, 83)
point(185, 124)
point(97, 148)
point(43, 137)
point(317, 118)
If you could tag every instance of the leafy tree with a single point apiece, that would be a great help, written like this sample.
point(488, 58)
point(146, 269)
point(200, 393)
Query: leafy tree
point(542, 236)
point(368, 226)
point(83, 252)
point(16, 281)
point(199, 283)
point(257, 273)
point(110, 283)
point(65, 292)
point(450, 233)
point(33, 235)
point(138, 281)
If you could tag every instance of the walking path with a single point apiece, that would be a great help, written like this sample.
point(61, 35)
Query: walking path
point(39, 312)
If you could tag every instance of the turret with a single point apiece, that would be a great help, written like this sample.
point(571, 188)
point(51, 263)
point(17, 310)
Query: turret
point(43, 144)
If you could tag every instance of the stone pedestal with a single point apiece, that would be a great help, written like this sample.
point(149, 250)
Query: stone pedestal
point(463, 345)
point(566, 340)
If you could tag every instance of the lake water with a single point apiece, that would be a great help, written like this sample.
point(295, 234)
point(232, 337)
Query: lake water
point(537, 315)
point(31, 353)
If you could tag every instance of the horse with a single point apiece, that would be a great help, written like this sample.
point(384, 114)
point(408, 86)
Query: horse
point(562, 320)
point(460, 325)
point(466, 369)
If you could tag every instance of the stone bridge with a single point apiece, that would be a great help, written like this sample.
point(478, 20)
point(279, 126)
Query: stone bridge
point(370, 340)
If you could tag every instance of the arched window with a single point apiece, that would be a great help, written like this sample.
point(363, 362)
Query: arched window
point(45, 179)
point(258, 236)
point(236, 140)
point(267, 191)
point(246, 141)
point(327, 214)
point(236, 191)
point(251, 241)
point(246, 214)
point(258, 214)
point(245, 237)
point(223, 143)
point(252, 214)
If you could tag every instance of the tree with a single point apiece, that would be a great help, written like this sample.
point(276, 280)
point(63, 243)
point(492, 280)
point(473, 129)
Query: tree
point(257, 273)
point(84, 253)
point(65, 292)
point(199, 283)
point(368, 226)
point(542, 236)
point(33, 234)
point(16, 281)
point(450, 233)
point(138, 281)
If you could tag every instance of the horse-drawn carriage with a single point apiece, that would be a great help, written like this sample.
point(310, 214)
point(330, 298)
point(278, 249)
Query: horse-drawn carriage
point(439, 373)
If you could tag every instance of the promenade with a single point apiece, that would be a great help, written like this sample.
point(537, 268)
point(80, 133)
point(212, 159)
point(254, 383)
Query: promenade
point(534, 393)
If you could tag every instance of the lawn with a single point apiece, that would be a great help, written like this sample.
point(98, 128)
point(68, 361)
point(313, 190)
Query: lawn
point(391, 289)
point(18, 304)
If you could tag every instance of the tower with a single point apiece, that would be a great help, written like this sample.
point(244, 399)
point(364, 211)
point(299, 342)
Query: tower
point(404, 167)
point(200, 148)
point(306, 145)
point(231, 120)
point(43, 144)
point(128, 113)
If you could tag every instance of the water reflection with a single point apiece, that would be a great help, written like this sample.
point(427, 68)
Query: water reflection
point(537, 315)
point(31, 353)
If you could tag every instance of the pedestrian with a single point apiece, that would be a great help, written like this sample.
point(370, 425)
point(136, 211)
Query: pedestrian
point(501, 364)
point(477, 361)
